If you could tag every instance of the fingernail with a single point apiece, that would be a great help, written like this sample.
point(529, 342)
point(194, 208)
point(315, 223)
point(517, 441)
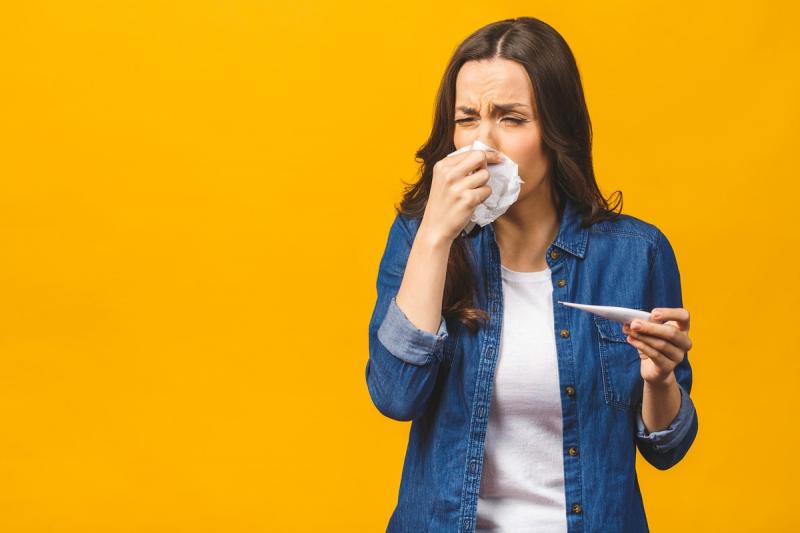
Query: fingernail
point(656, 314)
point(636, 325)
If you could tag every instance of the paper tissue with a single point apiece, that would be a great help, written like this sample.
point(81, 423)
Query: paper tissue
point(504, 182)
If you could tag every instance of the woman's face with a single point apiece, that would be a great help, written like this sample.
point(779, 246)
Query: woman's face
point(481, 88)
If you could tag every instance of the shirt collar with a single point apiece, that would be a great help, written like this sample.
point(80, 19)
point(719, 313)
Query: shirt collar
point(571, 236)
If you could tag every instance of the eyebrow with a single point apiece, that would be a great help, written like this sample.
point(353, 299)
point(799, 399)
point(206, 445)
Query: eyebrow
point(504, 108)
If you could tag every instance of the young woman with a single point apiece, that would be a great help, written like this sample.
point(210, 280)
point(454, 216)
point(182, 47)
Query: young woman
point(527, 414)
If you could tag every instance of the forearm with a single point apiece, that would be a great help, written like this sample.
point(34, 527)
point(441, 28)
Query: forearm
point(660, 404)
point(422, 289)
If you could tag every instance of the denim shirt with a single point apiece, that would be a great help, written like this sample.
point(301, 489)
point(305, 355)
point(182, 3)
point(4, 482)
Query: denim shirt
point(443, 382)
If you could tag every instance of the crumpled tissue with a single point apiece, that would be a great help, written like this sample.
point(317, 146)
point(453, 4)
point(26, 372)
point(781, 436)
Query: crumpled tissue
point(504, 182)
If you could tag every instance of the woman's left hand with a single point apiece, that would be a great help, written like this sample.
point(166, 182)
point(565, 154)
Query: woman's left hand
point(661, 346)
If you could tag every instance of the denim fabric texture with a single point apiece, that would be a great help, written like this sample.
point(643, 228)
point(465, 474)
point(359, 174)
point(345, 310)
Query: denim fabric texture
point(443, 382)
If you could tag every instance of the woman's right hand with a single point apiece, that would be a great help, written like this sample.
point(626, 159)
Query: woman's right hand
point(457, 187)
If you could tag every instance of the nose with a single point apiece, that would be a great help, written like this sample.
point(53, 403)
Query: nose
point(487, 134)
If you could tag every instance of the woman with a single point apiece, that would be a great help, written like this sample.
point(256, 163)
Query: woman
point(527, 414)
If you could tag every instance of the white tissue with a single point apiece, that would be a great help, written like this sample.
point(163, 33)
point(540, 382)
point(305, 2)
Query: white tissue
point(504, 182)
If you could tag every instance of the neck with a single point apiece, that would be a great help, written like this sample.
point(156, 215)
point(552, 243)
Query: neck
point(526, 230)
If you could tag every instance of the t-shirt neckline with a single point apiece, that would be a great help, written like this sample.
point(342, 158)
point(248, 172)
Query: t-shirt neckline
point(527, 277)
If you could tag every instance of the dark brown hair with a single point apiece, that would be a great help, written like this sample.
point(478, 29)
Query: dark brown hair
point(566, 138)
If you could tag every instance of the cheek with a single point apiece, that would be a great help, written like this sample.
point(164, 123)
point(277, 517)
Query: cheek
point(527, 152)
point(460, 138)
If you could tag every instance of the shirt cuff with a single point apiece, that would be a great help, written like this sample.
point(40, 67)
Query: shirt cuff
point(406, 341)
point(666, 439)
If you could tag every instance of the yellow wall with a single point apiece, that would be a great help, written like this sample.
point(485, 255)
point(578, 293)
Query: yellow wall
point(194, 199)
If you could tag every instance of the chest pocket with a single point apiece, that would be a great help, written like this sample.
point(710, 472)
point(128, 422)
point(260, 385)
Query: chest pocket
point(620, 365)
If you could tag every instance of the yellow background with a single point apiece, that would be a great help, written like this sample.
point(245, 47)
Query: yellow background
point(194, 199)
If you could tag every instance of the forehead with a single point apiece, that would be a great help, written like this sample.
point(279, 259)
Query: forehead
point(495, 79)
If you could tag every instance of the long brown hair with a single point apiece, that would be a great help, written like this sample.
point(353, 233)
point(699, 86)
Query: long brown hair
point(566, 138)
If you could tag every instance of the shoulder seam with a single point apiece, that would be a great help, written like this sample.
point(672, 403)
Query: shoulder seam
point(403, 223)
point(651, 239)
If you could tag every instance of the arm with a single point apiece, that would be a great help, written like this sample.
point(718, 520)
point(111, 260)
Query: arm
point(661, 403)
point(666, 447)
point(404, 352)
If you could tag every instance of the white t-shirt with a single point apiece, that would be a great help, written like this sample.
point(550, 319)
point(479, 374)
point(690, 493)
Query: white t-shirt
point(522, 484)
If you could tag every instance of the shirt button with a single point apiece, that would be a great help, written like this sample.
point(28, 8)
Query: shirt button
point(570, 390)
point(573, 451)
point(554, 254)
point(576, 508)
point(564, 333)
point(473, 466)
point(562, 282)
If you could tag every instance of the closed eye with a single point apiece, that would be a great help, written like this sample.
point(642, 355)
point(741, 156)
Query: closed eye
point(514, 120)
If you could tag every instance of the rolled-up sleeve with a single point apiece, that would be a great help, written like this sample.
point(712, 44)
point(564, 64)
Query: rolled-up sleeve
point(663, 449)
point(669, 438)
point(406, 341)
point(404, 361)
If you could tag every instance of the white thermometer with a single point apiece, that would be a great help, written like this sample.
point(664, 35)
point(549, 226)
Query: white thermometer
point(617, 314)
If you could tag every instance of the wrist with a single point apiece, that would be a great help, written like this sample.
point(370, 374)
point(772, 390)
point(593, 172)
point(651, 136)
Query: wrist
point(432, 239)
point(667, 382)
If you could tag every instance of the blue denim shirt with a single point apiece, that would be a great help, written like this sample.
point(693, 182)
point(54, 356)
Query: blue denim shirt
point(443, 382)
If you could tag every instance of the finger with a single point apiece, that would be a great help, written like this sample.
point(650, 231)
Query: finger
point(482, 193)
point(645, 351)
point(678, 314)
point(477, 179)
point(666, 348)
point(669, 332)
point(474, 160)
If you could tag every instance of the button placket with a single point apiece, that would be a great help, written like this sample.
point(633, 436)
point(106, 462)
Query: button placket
point(562, 268)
